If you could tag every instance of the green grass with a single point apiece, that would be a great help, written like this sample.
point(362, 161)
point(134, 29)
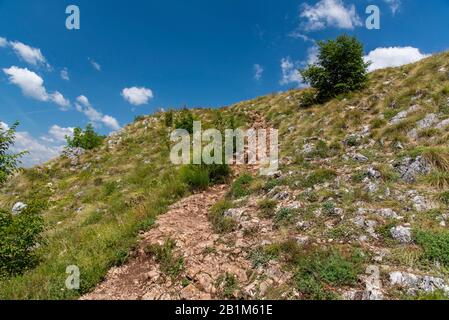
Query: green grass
point(169, 264)
point(221, 223)
point(319, 176)
point(435, 245)
point(241, 186)
point(267, 207)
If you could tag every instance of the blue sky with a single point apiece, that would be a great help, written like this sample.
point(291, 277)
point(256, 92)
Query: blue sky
point(133, 57)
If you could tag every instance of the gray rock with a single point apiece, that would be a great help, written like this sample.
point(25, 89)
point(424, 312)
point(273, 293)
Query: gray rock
point(73, 154)
point(388, 213)
point(443, 124)
point(403, 114)
point(410, 168)
point(402, 234)
point(18, 208)
point(428, 121)
point(404, 279)
point(373, 173)
point(360, 157)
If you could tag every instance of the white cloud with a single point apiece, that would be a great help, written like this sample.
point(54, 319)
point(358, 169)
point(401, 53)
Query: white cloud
point(32, 85)
point(39, 150)
point(393, 57)
point(110, 122)
point(258, 72)
point(312, 55)
point(4, 126)
point(59, 99)
point(395, 5)
point(29, 54)
point(83, 105)
point(28, 81)
point(330, 13)
point(3, 42)
point(95, 64)
point(83, 100)
point(290, 73)
point(137, 96)
point(60, 133)
point(65, 74)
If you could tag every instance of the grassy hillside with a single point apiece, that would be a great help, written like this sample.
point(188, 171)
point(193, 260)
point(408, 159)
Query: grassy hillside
point(347, 179)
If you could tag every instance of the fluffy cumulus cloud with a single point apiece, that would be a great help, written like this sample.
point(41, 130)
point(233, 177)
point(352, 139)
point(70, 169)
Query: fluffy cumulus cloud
point(329, 13)
point(39, 150)
point(83, 105)
point(59, 134)
point(393, 57)
point(32, 86)
point(137, 96)
point(258, 72)
point(32, 56)
point(290, 73)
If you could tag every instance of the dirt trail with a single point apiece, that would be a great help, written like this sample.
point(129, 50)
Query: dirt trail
point(207, 256)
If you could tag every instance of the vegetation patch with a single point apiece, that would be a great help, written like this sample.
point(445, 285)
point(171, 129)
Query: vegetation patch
point(170, 264)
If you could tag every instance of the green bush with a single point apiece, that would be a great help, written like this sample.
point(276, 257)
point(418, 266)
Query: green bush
point(284, 216)
point(241, 186)
point(200, 177)
point(8, 161)
point(169, 264)
point(87, 139)
point(308, 99)
point(168, 118)
point(19, 238)
point(185, 121)
point(444, 197)
point(435, 245)
point(316, 269)
point(340, 68)
point(267, 207)
point(319, 176)
point(221, 223)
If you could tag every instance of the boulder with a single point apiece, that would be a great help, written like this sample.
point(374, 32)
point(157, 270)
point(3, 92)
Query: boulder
point(402, 234)
point(18, 207)
point(410, 168)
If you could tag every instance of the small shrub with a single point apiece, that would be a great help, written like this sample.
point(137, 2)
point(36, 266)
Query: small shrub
point(261, 256)
point(439, 179)
point(284, 216)
point(168, 118)
point(315, 269)
point(444, 197)
point(437, 157)
point(435, 245)
point(19, 237)
point(308, 99)
point(169, 264)
point(221, 223)
point(230, 285)
point(87, 139)
point(378, 123)
point(185, 121)
point(9, 162)
point(200, 177)
point(267, 207)
point(319, 176)
point(241, 186)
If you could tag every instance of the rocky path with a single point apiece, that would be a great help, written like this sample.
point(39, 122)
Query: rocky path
point(208, 257)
